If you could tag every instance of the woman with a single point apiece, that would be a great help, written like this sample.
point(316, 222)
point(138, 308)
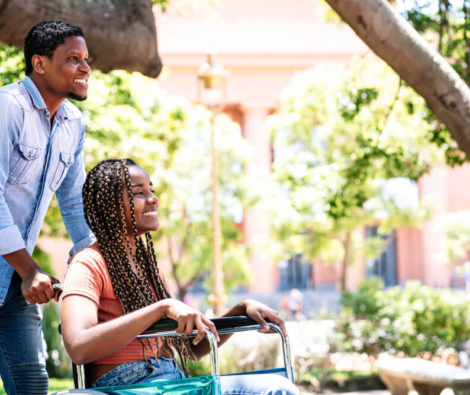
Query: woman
point(114, 290)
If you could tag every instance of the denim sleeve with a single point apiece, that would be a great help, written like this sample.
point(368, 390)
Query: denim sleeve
point(69, 197)
point(11, 125)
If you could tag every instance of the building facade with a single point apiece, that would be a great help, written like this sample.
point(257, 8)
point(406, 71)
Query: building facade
point(263, 43)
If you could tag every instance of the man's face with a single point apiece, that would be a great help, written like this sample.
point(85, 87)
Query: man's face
point(66, 74)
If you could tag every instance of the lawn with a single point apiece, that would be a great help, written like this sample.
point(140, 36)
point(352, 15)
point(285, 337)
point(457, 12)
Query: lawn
point(54, 385)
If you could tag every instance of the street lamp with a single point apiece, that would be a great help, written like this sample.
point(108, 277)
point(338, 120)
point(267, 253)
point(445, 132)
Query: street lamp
point(212, 91)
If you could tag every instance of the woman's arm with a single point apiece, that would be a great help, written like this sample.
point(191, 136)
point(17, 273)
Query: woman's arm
point(86, 341)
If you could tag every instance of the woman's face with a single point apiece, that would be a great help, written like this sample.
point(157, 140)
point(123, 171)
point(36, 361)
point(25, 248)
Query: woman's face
point(145, 202)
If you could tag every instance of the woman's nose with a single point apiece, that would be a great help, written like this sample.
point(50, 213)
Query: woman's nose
point(153, 199)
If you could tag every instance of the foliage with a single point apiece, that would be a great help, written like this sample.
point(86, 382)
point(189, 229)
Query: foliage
point(58, 363)
point(163, 4)
point(43, 259)
point(340, 134)
point(127, 115)
point(412, 320)
point(446, 25)
point(456, 243)
point(245, 352)
point(11, 64)
point(55, 385)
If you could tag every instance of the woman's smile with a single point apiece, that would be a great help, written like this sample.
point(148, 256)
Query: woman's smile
point(151, 213)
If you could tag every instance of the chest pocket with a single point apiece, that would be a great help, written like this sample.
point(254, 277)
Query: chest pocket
point(25, 164)
point(66, 160)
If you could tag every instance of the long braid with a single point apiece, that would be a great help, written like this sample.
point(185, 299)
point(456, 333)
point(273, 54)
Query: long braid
point(104, 214)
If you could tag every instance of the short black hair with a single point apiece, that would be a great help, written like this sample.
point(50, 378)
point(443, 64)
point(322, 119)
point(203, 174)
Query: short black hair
point(45, 37)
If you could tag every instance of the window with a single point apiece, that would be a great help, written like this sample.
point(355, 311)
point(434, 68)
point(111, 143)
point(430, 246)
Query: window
point(295, 273)
point(385, 266)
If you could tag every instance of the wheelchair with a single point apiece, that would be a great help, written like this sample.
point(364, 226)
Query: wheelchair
point(205, 385)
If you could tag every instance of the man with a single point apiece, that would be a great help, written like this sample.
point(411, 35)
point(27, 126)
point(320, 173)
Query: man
point(41, 141)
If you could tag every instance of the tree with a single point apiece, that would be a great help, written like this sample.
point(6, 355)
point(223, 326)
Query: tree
point(127, 115)
point(340, 134)
point(380, 26)
point(456, 243)
point(119, 35)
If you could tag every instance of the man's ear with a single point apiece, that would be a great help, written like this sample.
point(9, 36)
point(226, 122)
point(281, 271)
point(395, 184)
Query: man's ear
point(37, 62)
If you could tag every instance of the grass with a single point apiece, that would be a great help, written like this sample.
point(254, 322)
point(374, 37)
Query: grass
point(54, 385)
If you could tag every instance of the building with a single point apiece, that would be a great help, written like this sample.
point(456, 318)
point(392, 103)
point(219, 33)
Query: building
point(263, 43)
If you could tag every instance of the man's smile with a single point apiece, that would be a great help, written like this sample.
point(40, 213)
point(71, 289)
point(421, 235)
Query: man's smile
point(81, 81)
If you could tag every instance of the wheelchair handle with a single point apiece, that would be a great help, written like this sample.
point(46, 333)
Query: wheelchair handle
point(167, 327)
point(221, 324)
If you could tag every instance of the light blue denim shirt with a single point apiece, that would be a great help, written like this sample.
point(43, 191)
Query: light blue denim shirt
point(36, 161)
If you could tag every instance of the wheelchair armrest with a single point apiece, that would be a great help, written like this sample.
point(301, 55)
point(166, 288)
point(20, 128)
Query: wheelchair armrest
point(223, 323)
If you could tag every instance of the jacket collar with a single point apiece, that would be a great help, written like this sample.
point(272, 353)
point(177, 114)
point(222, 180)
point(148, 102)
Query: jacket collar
point(36, 97)
point(39, 102)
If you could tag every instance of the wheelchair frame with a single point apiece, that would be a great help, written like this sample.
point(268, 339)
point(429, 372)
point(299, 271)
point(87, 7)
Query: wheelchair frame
point(166, 327)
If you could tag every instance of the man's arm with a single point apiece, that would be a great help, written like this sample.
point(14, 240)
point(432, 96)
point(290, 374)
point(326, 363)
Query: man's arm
point(36, 286)
point(69, 197)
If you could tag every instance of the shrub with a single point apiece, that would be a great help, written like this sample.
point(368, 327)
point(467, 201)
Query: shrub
point(413, 319)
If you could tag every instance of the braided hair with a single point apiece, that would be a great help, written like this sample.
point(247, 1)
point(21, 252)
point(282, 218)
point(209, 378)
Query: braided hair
point(104, 214)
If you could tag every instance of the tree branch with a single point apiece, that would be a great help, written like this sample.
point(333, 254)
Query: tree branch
point(415, 61)
point(119, 34)
point(173, 263)
point(392, 105)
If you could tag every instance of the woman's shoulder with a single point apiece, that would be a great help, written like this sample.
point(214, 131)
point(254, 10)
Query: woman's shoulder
point(87, 274)
point(87, 265)
point(90, 255)
point(91, 252)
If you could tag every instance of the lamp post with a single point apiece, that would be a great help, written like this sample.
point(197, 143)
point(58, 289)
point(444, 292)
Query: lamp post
point(212, 90)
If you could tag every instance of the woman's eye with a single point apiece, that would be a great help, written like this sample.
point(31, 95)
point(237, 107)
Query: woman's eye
point(74, 58)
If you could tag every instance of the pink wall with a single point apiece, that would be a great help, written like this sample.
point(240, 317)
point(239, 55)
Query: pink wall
point(263, 48)
point(409, 255)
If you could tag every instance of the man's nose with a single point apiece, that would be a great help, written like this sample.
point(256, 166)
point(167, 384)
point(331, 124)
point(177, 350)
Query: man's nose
point(84, 67)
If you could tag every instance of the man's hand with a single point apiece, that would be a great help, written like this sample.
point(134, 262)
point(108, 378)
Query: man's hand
point(37, 284)
point(37, 287)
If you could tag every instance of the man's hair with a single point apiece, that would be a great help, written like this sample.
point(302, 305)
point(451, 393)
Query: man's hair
point(104, 213)
point(45, 37)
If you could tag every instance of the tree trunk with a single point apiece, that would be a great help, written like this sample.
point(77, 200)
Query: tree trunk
point(397, 43)
point(182, 292)
point(120, 34)
point(345, 262)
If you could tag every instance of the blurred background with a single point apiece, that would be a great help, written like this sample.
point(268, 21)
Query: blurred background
point(341, 199)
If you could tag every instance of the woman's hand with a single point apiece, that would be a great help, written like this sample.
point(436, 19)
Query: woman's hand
point(259, 312)
point(189, 318)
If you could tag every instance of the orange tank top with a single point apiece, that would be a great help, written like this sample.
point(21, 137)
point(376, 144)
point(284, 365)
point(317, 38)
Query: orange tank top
point(87, 275)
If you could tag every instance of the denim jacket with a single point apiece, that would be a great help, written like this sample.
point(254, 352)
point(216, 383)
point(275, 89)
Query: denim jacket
point(36, 161)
